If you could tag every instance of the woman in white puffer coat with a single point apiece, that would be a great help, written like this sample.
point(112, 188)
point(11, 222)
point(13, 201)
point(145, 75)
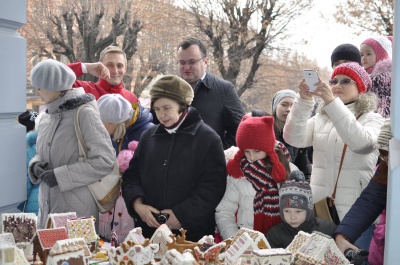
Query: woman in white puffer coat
point(347, 98)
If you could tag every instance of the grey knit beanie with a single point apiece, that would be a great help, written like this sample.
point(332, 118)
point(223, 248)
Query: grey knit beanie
point(52, 75)
point(281, 95)
point(114, 108)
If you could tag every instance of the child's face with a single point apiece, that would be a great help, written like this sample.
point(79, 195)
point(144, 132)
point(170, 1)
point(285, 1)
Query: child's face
point(294, 217)
point(253, 155)
point(283, 108)
point(368, 56)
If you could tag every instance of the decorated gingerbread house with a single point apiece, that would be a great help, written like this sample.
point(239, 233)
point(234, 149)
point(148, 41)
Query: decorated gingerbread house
point(161, 237)
point(73, 251)
point(136, 236)
point(240, 248)
point(271, 256)
point(131, 253)
point(207, 254)
point(55, 220)
point(83, 228)
point(45, 239)
point(174, 257)
point(259, 239)
point(23, 228)
point(298, 241)
point(319, 249)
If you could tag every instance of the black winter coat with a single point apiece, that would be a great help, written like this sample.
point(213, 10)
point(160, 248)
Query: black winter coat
point(183, 171)
point(219, 106)
point(282, 234)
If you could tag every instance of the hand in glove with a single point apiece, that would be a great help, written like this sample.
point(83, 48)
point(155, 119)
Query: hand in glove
point(49, 178)
point(38, 168)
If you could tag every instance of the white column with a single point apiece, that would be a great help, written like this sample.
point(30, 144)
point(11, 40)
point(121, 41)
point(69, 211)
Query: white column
point(392, 253)
point(12, 103)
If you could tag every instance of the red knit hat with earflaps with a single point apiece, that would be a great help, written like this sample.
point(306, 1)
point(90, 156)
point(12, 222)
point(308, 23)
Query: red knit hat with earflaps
point(257, 133)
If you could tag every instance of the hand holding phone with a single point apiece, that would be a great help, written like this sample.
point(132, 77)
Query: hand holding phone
point(311, 78)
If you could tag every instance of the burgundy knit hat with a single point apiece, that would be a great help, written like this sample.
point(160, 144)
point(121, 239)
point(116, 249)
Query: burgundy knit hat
point(381, 45)
point(257, 133)
point(357, 73)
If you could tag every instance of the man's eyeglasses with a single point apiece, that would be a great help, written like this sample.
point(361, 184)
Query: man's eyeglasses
point(343, 82)
point(190, 62)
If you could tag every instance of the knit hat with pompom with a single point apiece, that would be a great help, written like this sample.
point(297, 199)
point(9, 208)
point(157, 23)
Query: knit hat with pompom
point(357, 73)
point(125, 156)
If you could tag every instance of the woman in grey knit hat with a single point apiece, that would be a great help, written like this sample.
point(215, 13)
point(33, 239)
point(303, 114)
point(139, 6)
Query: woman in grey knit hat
point(63, 178)
point(282, 103)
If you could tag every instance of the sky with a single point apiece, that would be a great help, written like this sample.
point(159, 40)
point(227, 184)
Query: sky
point(322, 33)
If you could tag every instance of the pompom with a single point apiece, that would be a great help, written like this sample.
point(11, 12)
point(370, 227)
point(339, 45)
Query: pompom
point(133, 145)
point(297, 175)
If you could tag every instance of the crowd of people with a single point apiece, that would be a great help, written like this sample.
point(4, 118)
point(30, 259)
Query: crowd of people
point(195, 160)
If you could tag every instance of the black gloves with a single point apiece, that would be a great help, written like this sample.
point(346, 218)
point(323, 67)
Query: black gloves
point(38, 168)
point(49, 178)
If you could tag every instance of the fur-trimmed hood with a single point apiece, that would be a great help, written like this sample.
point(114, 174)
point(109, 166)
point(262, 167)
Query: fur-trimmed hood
point(72, 99)
point(383, 66)
point(365, 102)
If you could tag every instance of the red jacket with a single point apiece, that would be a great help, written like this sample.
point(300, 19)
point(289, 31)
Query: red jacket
point(102, 87)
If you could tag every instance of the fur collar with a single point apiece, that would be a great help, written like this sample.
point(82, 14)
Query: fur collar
point(365, 102)
point(383, 66)
point(71, 100)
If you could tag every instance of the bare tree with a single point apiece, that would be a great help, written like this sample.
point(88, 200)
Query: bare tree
point(370, 15)
point(80, 30)
point(243, 30)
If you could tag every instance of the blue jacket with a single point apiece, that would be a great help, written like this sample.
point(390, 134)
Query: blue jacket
point(141, 121)
point(367, 207)
point(31, 204)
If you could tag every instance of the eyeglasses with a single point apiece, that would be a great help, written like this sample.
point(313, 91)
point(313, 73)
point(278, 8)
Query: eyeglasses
point(190, 62)
point(343, 82)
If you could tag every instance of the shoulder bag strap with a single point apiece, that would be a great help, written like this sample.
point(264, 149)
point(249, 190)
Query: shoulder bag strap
point(81, 143)
point(341, 163)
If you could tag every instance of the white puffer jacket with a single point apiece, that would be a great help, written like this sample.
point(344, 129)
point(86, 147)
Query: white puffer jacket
point(239, 196)
point(334, 125)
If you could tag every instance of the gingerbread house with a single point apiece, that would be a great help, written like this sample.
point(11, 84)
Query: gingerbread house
point(279, 256)
point(23, 228)
point(174, 257)
point(208, 254)
point(131, 253)
point(136, 236)
point(83, 228)
point(298, 241)
point(319, 249)
point(259, 239)
point(161, 237)
point(73, 251)
point(19, 257)
point(7, 239)
point(240, 248)
point(45, 239)
point(7, 255)
point(55, 220)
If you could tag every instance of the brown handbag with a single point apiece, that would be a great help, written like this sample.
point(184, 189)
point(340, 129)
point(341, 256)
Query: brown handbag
point(325, 208)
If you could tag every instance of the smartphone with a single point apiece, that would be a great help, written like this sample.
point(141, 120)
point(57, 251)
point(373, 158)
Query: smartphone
point(311, 78)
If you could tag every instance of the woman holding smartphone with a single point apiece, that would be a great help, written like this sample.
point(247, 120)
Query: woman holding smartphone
point(346, 116)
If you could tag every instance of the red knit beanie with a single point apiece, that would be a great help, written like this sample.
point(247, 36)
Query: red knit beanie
point(382, 47)
point(357, 73)
point(257, 133)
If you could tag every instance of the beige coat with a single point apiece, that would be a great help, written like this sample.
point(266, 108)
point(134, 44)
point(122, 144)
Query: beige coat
point(57, 144)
